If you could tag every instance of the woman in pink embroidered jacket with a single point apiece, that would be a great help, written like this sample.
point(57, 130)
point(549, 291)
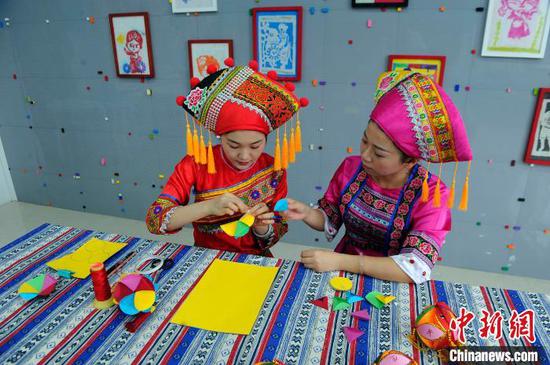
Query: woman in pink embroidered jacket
point(396, 214)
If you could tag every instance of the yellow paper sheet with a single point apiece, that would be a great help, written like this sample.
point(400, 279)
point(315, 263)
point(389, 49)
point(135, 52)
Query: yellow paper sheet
point(228, 298)
point(79, 262)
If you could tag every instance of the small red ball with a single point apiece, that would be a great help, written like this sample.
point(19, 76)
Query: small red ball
point(272, 75)
point(253, 65)
point(211, 69)
point(229, 62)
point(304, 102)
point(180, 99)
point(290, 86)
point(194, 82)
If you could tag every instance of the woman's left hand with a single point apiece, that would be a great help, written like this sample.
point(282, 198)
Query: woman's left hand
point(320, 260)
point(264, 217)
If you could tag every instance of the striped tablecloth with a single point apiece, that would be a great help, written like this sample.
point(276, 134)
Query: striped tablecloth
point(65, 328)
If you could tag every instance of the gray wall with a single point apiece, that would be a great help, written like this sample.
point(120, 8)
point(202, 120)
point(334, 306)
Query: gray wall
point(55, 63)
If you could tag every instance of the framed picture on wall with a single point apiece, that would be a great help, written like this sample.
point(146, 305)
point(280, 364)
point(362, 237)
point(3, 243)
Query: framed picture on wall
point(516, 29)
point(379, 3)
point(132, 47)
point(206, 52)
point(432, 66)
point(277, 41)
point(538, 146)
point(194, 6)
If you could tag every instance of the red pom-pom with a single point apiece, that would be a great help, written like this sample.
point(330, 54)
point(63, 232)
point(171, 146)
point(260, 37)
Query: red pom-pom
point(194, 82)
point(290, 86)
point(272, 75)
point(180, 100)
point(304, 102)
point(253, 65)
point(229, 62)
point(211, 69)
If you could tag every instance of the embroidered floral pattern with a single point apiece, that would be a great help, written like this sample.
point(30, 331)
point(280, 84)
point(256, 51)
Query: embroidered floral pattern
point(156, 214)
point(431, 124)
point(388, 81)
point(404, 209)
point(260, 187)
point(421, 246)
point(332, 212)
point(374, 221)
point(277, 104)
point(195, 99)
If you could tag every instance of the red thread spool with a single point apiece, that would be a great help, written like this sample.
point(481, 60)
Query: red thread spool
point(102, 289)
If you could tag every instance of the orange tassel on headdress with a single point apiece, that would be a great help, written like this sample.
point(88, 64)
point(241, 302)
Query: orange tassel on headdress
point(451, 201)
point(277, 162)
point(211, 163)
point(284, 161)
point(437, 193)
point(189, 138)
point(425, 188)
point(464, 199)
point(202, 151)
point(196, 147)
point(298, 134)
point(292, 147)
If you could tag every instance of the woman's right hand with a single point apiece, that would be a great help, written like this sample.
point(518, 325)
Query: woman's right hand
point(297, 211)
point(226, 204)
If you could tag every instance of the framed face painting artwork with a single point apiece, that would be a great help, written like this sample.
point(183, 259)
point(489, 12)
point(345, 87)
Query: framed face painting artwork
point(277, 41)
point(132, 47)
point(432, 66)
point(206, 52)
point(516, 28)
point(538, 146)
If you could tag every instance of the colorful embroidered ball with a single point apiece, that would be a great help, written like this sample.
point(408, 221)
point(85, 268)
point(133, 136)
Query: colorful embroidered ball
point(393, 357)
point(432, 327)
point(135, 293)
point(42, 285)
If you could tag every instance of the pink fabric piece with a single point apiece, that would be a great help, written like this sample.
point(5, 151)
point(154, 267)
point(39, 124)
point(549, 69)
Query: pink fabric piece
point(391, 114)
point(132, 281)
point(362, 314)
point(429, 332)
point(395, 359)
point(48, 285)
point(49, 280)
point(352, 333)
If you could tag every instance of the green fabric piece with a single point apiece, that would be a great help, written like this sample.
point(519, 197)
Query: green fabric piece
point(339, 303)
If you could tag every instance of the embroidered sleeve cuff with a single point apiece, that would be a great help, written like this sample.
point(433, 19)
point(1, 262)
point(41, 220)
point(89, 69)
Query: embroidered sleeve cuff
point(416, 269)
point(424, 247)
point(330, 231)
point(166, 220)
point(331, 213)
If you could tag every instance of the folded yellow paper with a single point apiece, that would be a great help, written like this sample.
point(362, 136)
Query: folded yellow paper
point(227, 298)
point(79, 262)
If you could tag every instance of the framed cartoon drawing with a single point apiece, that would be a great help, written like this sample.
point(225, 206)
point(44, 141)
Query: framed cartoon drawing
point(206, 52)
point(432, 66)
point(132, 47)
point(516, 28)
point(538, 146)
point(277, 41)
